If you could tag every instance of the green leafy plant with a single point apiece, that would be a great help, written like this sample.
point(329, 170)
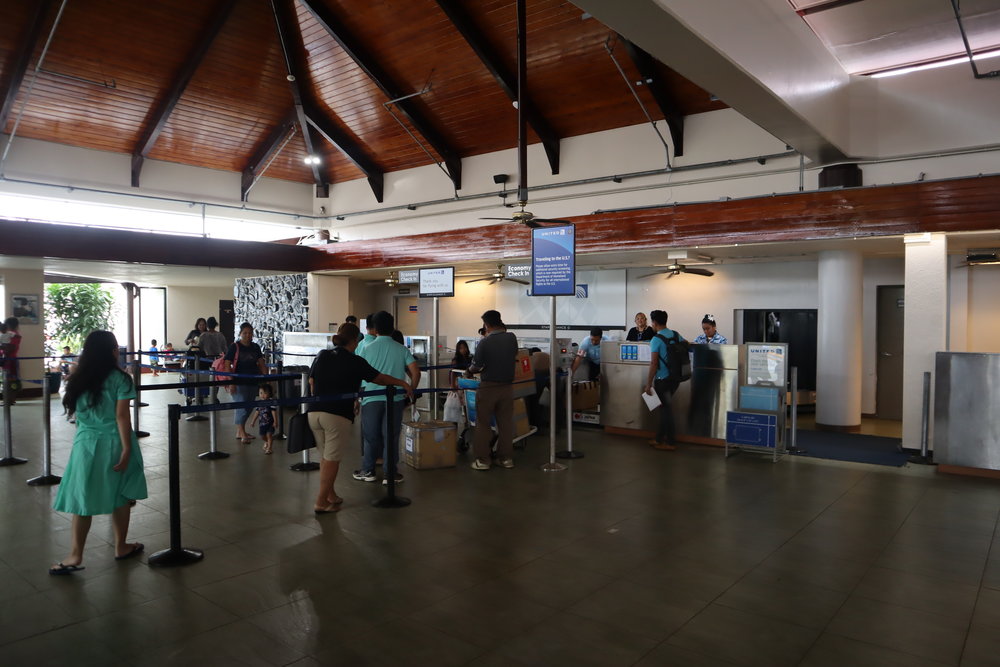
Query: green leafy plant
point(72, 311)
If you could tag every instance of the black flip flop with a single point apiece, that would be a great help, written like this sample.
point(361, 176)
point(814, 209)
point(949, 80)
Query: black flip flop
point(65, 569)
point(136, 550)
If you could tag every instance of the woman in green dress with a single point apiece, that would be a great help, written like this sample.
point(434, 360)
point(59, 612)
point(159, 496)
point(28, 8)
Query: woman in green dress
point(104, 474)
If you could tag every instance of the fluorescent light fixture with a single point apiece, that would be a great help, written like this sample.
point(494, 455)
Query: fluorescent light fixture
point(958, 60)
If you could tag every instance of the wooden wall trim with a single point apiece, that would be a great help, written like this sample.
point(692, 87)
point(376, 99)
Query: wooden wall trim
point(33, 239)
point(966, 204)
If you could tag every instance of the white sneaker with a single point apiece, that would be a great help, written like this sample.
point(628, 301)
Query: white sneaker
point(480, 464)
point(506, 463)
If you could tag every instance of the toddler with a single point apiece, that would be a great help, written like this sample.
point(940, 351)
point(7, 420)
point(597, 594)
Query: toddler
point(154, 358)
point(265, 417)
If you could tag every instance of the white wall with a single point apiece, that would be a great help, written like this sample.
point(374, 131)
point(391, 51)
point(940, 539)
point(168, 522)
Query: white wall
point(328, 302)
point(984, 309)
point(26, 281)
point(186, 304)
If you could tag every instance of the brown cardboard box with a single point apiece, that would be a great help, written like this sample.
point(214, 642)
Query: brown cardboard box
point(429, 444)
point(524, 374)
point(586, 395)
point(521, 425)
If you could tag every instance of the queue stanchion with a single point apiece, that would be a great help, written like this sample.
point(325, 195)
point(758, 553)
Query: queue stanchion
point(280, 426)
point(213, 452)
point(137, 401)
point(46, 477)
point(305, 465)
point(8, 432)
point(196, 397)
point(569, 452)
point(391, 500)
point(175, 554)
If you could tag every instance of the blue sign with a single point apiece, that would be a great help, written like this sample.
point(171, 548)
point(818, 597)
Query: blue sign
point(553, 261)
point(750, 429)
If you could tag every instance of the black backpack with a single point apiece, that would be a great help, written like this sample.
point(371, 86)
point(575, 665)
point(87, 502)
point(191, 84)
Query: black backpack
point(678, 360)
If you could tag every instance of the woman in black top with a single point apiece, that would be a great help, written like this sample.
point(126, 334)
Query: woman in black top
point(336, 372)
point(200, 327)
point(249, 361)
point(461, 361)
point(641, 330)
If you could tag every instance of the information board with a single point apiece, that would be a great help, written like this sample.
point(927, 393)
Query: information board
point(553, 261)
point(439, 281)
point(767, 363)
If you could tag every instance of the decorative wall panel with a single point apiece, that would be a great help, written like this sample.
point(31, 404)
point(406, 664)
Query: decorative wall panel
point(273, 305)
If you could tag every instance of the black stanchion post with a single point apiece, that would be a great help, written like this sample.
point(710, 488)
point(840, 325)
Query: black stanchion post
point(46, 477)
point(391, 455)
point(280, 435)
point(136, 402)
point(305, 465)
point(8, 432)
point(176, 554)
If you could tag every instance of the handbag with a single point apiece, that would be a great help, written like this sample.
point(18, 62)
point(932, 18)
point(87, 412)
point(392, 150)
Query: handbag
point(219, 365)
point(300, 436)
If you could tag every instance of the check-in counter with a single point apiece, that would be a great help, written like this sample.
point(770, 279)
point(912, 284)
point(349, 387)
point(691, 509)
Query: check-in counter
point(700, 404)
point(966, 423)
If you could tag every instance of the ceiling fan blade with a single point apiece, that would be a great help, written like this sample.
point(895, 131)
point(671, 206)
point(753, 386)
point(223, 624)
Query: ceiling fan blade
point(552, 221)
point(476, 280)
point(505, 219)
point(518, 281)
point(494, 281)
point(654, 273)
point(671, 274)
point(698, 272)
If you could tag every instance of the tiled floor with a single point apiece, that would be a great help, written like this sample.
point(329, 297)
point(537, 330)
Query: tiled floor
point(630, 557)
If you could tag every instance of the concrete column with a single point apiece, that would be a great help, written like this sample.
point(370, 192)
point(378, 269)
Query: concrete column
point(926, 317)
point(838, 353)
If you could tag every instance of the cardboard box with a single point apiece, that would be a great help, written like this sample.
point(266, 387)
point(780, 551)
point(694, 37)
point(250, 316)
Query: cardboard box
point(586, 395)
point(429, 444)
point(524, 375)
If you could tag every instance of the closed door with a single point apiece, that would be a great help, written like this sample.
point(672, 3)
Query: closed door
point(889, 345)
point(406, 315)
point(227, 320)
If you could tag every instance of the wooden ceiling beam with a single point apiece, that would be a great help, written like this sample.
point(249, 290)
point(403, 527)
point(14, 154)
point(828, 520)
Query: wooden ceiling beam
point(157, 119)
point(476, 39)
point(287, 27)
point(669, 106)
point(20, 64)
point(265, 151)
point(345, 143)
point(367, 62)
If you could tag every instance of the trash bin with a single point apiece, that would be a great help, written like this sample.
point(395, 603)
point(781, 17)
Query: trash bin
point(53, 381)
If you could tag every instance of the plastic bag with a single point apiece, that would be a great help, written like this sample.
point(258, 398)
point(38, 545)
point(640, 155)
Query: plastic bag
point(453, 408)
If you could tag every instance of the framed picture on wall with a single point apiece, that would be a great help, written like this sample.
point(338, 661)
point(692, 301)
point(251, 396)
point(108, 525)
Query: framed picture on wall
point(25, 308)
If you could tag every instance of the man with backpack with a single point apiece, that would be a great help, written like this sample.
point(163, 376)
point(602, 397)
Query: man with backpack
point(668, 354)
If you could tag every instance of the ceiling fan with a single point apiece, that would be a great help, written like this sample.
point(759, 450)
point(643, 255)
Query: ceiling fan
point(527, 218)
point(390, 280)
point(677, 268)
point(499, 275)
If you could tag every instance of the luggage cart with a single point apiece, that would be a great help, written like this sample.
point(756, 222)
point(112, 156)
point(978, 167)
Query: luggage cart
point(468, 388)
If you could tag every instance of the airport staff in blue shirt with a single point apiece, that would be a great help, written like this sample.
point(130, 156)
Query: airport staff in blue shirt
point(590, 351)
point(660, 380)
point(709, 333)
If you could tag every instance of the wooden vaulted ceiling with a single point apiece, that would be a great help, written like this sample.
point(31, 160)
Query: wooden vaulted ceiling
point(206, 83)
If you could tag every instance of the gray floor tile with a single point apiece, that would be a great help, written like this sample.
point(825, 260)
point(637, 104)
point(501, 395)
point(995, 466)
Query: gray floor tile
point(749, 638)
point(902, 629)
point(646, 610)
point(836, 651)
point(802, 604)
point(918, 591)
point(235, 645)
point(987, 612)
point(982, 648)
point(668, 654)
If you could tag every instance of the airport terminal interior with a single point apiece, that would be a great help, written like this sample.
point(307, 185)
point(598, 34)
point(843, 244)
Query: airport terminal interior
point(813, 181)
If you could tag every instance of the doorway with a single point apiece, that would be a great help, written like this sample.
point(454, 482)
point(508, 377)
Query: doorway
point(227, 320)
point(889, 351)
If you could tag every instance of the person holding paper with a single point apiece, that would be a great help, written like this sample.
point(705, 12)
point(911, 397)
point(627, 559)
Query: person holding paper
point(659, 379)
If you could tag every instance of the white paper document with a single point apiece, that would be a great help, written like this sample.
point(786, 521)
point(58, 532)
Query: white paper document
point(652, 402)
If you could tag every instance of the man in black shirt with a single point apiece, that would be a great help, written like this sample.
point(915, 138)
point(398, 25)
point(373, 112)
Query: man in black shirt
point(495, 357)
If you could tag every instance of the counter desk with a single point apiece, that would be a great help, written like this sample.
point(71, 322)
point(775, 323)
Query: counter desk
point(700, 404)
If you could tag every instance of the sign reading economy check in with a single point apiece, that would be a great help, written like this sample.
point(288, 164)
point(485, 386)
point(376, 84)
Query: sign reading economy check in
point(553, 261)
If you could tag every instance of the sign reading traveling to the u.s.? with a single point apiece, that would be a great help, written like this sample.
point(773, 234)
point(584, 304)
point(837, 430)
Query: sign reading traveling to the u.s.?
point(553, 261)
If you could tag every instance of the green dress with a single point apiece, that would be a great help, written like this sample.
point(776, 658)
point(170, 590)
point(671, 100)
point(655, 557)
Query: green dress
point(89, 485)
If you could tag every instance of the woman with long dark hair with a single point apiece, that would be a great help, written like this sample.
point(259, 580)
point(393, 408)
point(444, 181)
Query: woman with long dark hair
point(461, 361)
point(104, 474)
